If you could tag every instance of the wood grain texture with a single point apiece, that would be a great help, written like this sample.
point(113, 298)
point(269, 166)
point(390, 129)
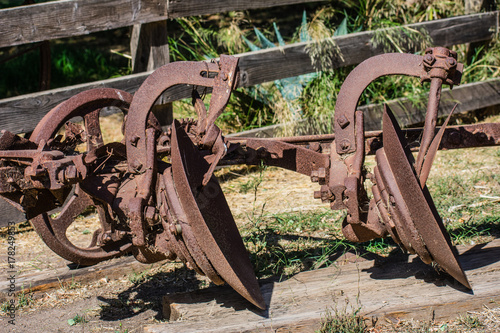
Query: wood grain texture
point(67, 18)
point(393, 288)
point(21, 114)
point(469, 97)
point(292, 60)
point(46, 279)
point(407, 112)
point(180, 8)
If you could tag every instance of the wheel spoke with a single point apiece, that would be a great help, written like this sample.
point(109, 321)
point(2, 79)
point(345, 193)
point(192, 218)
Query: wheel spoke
point(74, 207)
point(93, 129)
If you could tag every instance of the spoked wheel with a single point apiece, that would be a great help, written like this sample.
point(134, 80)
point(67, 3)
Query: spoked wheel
point(106, 242)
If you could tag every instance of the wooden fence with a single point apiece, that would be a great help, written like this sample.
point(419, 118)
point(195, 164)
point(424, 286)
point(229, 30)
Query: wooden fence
point(67, 18)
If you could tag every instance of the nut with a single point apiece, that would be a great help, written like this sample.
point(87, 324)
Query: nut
point(343, 121)
point(315, 176)
point(429, 59)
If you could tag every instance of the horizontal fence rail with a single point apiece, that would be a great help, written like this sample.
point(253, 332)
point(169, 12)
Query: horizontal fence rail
point(21, 114)
point(68, 18)
point(408, 112)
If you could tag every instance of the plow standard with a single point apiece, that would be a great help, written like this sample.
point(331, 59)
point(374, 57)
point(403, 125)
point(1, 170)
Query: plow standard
point(156, 195)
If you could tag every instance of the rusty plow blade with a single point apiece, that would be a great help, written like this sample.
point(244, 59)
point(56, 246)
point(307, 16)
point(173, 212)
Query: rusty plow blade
point(210, 219)
point(416, 220)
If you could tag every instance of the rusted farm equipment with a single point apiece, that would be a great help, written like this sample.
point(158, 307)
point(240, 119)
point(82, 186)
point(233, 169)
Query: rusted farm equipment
point(165, 210)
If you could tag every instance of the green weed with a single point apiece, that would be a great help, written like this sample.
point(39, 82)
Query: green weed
point(343, 321)
point(23, 299)
point(470, 321)
point(140, 277)
point(77, 319)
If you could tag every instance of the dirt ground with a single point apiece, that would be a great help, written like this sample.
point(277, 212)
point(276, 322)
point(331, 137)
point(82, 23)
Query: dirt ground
point(132, 300)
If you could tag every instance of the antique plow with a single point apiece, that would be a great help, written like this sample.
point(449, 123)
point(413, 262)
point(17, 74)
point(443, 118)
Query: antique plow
point(156, 195)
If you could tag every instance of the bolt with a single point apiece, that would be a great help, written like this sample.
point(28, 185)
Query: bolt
point(105, 238)
point(315, 176)
point(345, 144)
point(171, 227)
point(70, 172)
point(224, 77)
point(343, 121)
point(136, 165)
point(315, 146)
point(429, 59)
point(134, 140)
point(451, 62)
point(392, 201)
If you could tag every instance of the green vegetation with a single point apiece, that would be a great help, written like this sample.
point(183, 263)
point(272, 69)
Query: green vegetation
point(470, 321)
point(140, 277)
point(77, 319)
point(24, 299)
point(89, 58)
point(343, 321)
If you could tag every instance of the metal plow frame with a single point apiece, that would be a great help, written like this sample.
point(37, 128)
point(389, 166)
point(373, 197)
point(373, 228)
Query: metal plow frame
point(165, 210)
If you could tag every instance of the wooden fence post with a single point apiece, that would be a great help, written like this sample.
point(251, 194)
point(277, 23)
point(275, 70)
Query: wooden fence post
point(149, 48)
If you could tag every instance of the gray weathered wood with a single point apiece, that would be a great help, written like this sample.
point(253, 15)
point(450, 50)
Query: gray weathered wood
point(470, 97)
point(22, 113)
point(53, 278)
point(67, 18)
point(408, 112)
point(390, 290)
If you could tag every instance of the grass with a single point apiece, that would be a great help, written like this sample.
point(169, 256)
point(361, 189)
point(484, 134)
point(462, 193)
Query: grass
point(467, 193)
point(77, 319)
point(24, 299)
point(140, 277)
point(464, 185)
point(343, 321)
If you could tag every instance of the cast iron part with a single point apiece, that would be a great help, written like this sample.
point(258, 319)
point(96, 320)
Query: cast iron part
point(159, 210)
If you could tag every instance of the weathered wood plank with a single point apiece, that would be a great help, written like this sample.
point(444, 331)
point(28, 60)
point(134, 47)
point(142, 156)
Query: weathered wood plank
point(180, 8)
point(470, 97)
point(39, 281)
point(67, 18)
point(292, 60)
point(408, 112)
point(21, 114)
point(392, 289)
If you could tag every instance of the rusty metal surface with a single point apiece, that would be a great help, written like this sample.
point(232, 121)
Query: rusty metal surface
point(363, 75)
point(210, 218)
point(159, 210)
point(418, 202)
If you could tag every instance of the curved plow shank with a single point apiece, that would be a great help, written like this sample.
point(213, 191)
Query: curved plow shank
point(210, 218)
